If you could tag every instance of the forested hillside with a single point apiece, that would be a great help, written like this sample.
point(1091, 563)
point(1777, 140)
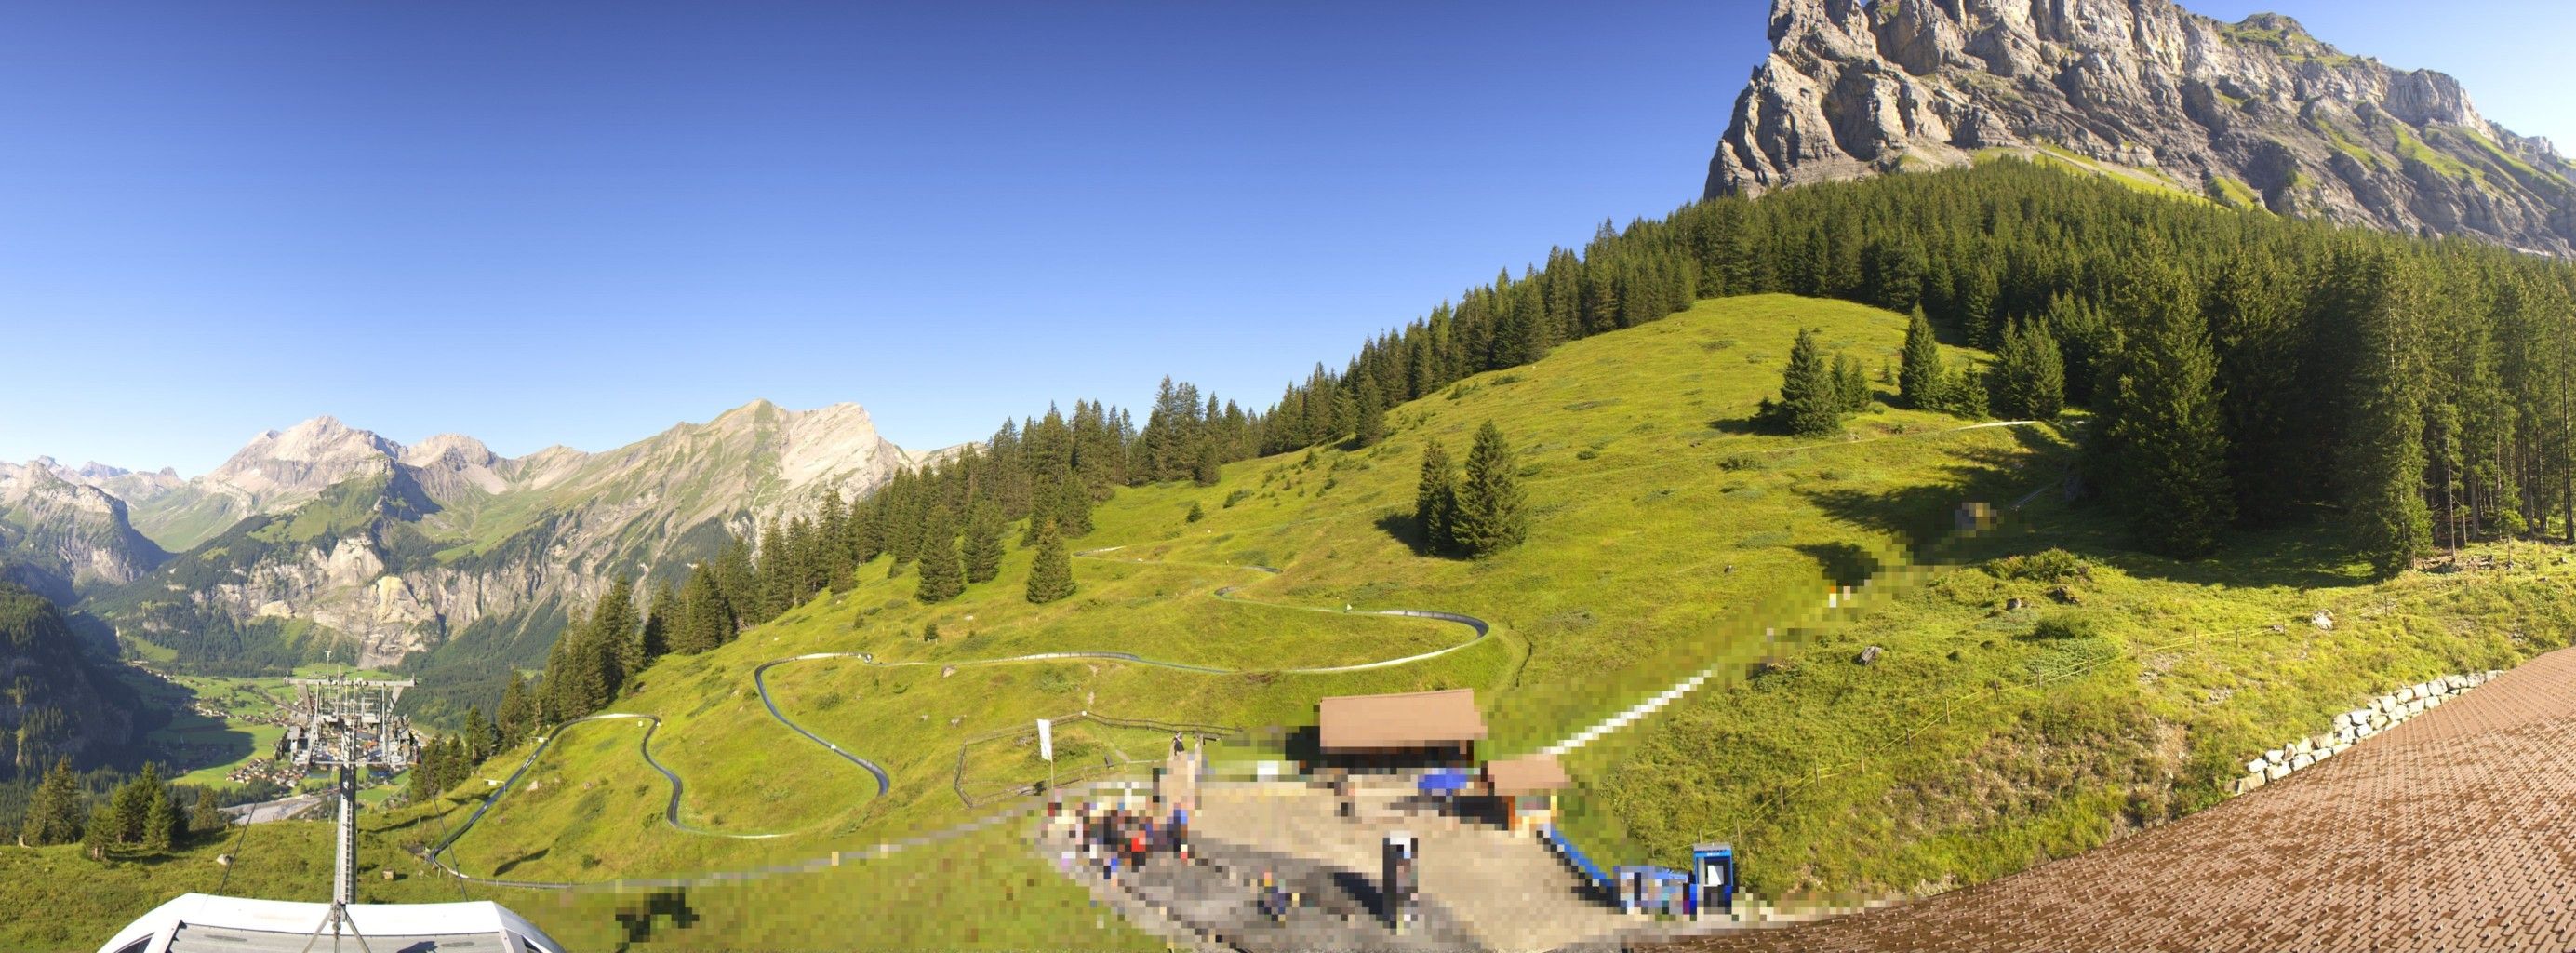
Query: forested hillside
point(55, 701)
point(2242, 367)
point(2242, 371)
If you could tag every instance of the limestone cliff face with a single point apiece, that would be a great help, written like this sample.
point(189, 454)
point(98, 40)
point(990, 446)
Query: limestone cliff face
point(2256, 111)
point(400, 549)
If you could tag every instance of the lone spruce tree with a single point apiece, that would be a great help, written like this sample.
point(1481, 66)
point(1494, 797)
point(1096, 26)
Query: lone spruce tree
point(1919, 381)
point(1435, 500)
point(1811, 400)
point(1491, 515)
point(1051, 577)
point(943, 572)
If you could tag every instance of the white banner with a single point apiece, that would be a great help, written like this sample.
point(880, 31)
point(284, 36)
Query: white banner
point(1046, 739)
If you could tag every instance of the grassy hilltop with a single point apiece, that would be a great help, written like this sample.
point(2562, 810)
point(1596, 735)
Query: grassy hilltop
point(1667, 536)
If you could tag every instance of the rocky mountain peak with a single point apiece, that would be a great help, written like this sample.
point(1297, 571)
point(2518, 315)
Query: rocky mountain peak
point(2253, 113)
point(294, 464)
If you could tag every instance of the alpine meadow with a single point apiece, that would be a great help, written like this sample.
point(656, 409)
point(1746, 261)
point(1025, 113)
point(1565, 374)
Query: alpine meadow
point(2093, 477)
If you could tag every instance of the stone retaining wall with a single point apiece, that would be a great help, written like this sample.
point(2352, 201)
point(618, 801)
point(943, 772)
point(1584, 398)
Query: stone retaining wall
point(2350, 728)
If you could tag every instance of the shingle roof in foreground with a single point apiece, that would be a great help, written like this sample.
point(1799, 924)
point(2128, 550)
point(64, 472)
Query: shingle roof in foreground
point(2455, 830)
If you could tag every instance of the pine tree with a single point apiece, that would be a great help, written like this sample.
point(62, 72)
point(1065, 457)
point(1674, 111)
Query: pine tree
point(547, 695)
point(514, 717)
point(2170, 455)
point(208, 816)
point(659, 621)
point(482, 740)
point(98, 834)
point(1491, 515)
point(943, 571)
point(1920, 381)
point(161, 821)
point(1851, 386)
point(831, 540)
point(587, 686)
point(55, 812)
point(2029, 373)
point(133, 804)
point(426, 772)
point(2383, 465)
point(983, 548)
point(1435, 499)
point(1072, 511)
point(1811, 402)
point(1370, 425)
point(704, 620)
point(777, 579)
point(1051, 576)
point(740, 583)
point(1210, 466)
point(619, 633)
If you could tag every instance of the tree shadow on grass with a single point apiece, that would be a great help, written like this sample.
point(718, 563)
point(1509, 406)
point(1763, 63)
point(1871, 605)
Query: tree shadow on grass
point(1405, 529)
point(639, 922)
point(527, 858)
point(1928, 512)
point(2306, 552)
point(1845, 564)
point(2311, 551)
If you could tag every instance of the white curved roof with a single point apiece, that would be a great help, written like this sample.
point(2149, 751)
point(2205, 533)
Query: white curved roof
point(199, 921)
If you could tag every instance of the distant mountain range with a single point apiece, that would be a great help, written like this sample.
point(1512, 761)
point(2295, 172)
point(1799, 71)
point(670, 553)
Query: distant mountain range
point(323, 531)
point(2254, 114)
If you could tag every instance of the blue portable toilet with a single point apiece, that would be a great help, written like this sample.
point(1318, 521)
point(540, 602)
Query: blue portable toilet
point(1712, 878)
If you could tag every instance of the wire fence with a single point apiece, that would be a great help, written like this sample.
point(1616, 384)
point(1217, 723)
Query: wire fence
point(1065, 772)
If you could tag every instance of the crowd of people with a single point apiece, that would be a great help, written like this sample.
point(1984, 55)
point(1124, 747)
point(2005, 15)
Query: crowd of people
point(1114, 837)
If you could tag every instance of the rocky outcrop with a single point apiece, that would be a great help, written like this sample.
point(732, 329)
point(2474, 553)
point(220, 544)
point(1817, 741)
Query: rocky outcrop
point(400, 549)
point(68, 532)
point(2250, 112)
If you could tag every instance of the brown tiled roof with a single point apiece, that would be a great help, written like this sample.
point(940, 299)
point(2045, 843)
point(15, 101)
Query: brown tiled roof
point(1534, 774)
point(1398, 722)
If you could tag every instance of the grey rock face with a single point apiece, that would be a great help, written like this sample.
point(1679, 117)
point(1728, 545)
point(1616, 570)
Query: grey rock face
point(454, 535)
point(2145, 90)
point(70, 531)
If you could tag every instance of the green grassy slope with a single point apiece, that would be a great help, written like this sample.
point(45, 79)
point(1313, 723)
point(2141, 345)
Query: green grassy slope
point(1666, 537)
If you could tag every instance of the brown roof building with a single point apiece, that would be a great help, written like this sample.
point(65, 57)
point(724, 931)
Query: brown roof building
point(1534, 774)
point(1445, 721)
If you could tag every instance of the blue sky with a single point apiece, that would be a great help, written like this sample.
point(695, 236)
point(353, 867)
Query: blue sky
point(581, 223)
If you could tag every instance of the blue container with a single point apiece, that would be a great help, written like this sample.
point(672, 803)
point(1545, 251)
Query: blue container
point(1712, 878)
